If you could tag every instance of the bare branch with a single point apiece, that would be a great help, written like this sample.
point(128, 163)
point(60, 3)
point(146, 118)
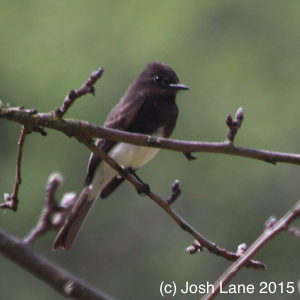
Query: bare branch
point(24, 256)
point(53, 214)
point(273, 228)
point(140, 187)
point(83, 130)
point(11, 201)
point(87, 88)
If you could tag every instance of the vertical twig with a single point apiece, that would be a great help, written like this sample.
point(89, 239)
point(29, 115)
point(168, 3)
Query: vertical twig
point(11, 201)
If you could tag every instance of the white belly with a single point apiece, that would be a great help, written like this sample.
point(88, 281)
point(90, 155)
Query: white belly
point(127, 155)
point(132, 156)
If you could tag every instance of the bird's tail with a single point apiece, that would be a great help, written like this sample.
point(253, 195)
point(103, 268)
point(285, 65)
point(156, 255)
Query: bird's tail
point(70, 229)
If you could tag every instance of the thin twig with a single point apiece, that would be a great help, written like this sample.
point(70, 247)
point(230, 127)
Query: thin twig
point(19, 160)
point(11, 201)
point(87, 88)
point(272, 229)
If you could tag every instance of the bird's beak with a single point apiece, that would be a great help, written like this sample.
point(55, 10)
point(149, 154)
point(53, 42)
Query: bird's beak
point(179, 86)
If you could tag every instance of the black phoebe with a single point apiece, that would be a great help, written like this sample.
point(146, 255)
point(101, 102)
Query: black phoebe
point(148, 107)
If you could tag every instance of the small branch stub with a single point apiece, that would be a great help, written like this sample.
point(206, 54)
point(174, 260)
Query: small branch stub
point(234, 125)
point(69, 288)
point(271, 222)
point(40, 130)
point(194, 248)
point(189, 156)
point(241, 249)
point(176, 191)
point(10, 203)
point(294, 231)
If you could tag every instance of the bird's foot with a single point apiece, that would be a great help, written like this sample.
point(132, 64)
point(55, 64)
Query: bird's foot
point(145, 189)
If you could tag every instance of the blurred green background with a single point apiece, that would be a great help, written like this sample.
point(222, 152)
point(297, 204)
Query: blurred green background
point(230, 54)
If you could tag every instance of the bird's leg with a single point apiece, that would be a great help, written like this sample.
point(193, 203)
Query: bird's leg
point(146, 189)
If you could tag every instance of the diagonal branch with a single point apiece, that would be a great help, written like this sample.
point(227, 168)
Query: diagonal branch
point(23, 255)
point(165, 204)
point(273, 228)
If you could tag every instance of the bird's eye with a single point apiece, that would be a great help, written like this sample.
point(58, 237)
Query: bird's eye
point(158, 79)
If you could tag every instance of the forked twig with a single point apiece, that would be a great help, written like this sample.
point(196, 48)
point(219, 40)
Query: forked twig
point(53, 214)
point(87, 88)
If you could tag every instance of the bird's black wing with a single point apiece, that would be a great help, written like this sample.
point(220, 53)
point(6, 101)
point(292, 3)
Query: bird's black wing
point(121, 117)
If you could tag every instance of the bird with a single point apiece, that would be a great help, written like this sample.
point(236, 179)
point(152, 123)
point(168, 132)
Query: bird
point(148, 107)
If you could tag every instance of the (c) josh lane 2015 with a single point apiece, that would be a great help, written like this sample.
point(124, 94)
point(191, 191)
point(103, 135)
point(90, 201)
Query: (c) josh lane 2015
point(209, 288)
